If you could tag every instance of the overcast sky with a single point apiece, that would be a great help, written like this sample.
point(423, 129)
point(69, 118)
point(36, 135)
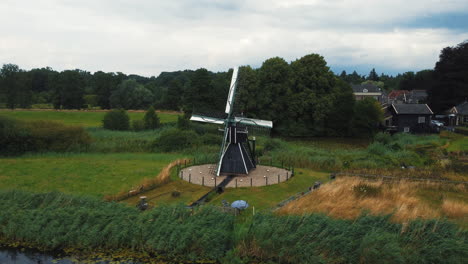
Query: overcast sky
point(147, 37)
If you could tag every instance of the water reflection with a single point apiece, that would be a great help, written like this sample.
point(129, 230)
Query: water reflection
point(30, 256)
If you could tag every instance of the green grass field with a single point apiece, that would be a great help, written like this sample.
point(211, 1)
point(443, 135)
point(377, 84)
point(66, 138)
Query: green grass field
point(89, 174)
point(268, 197)
point(262, 198)
point(80, 118)
point(460, 144)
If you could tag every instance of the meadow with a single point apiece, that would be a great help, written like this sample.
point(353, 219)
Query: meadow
point(83, 174)
point(79, 118)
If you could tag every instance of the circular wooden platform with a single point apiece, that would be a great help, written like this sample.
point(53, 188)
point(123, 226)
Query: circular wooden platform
point(260, 176)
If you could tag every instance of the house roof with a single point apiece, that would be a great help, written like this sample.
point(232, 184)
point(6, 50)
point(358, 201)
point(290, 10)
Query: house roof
point(365, 88)
point(462, 109)
point(412, 109)
point(396, 93)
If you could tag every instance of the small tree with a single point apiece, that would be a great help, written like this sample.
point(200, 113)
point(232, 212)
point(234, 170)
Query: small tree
point(116, 120)
point(151, 119)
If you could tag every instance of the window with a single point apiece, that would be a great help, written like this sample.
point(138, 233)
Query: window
point(406, 129)
point(465, 119)
point(421, 119)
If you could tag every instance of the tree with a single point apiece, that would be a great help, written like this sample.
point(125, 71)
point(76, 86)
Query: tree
point(104, 84)
point(368, 114)
point(151, 119)
point(68, 90)
point(9, 84)
point(339, 119)
point(131, 95)
point(198, 95)
point(174, 95)
point(116, 120)
point(274, 77)
point(373, 76)
point(450, 85)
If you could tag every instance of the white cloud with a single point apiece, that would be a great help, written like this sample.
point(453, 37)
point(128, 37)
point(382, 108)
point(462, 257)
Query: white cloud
point(147, 37)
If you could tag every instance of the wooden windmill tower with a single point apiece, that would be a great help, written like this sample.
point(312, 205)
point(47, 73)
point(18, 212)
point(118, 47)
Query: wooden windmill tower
point(236, 155)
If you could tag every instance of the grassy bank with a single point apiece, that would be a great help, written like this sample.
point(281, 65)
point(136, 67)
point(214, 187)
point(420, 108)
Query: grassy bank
point(89, 173)
point(79, 118)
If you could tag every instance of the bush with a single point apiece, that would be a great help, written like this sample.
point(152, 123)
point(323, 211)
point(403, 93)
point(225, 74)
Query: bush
point(151, 119)
point(383, 138)
point(176, 139)
point(138, 125)
point(17, 137)
point(183, 122)
point(116, 120)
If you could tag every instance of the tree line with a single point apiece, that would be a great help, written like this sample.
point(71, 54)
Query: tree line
point(303, 97)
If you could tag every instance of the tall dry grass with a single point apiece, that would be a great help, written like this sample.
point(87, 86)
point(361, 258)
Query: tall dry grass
point(148, 183)
point(345, 198)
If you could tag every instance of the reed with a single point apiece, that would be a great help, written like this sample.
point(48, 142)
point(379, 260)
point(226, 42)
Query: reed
point(346, 198)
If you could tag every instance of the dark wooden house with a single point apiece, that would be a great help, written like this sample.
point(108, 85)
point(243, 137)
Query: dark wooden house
point(411, 118)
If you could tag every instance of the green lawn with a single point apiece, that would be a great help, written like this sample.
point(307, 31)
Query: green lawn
point(269, 196)
point(91, 174)
point(460, 144)
point(80, 118)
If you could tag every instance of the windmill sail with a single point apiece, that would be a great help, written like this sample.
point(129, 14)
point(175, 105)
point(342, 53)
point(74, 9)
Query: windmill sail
point(254, 122)
point(207, 119)
point(232, 91)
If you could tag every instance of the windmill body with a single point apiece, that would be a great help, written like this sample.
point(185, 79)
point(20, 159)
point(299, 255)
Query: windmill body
point(237, 154)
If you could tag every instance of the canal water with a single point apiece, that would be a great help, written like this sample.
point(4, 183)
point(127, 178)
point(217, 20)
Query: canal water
point(31, 256)
point(27, 256)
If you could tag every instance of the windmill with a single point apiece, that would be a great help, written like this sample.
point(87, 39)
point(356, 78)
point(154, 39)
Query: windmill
point(236, 155)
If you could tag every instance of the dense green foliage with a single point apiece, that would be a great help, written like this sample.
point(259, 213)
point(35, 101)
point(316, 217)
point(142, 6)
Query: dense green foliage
point(176, 140)
point(131, 95)
point(368, 114)
point(368, 239)
point(151, 119)
point(116, 120)
point(17, 137)
point(450, 78)
point(385, 152)
point(56, 221)
point(68, 90)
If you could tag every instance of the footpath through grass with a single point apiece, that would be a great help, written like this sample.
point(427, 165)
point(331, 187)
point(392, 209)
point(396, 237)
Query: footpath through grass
point(79, 118)
point(88, 174)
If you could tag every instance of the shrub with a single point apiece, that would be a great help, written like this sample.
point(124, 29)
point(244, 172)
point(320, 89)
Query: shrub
point(151, 119)
point(138, 125)
point(383, 138)
point(116, 120)
point(377, 148)
point(17, 137)
point(183, 122)
point(176, 139)
point(210, 139)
